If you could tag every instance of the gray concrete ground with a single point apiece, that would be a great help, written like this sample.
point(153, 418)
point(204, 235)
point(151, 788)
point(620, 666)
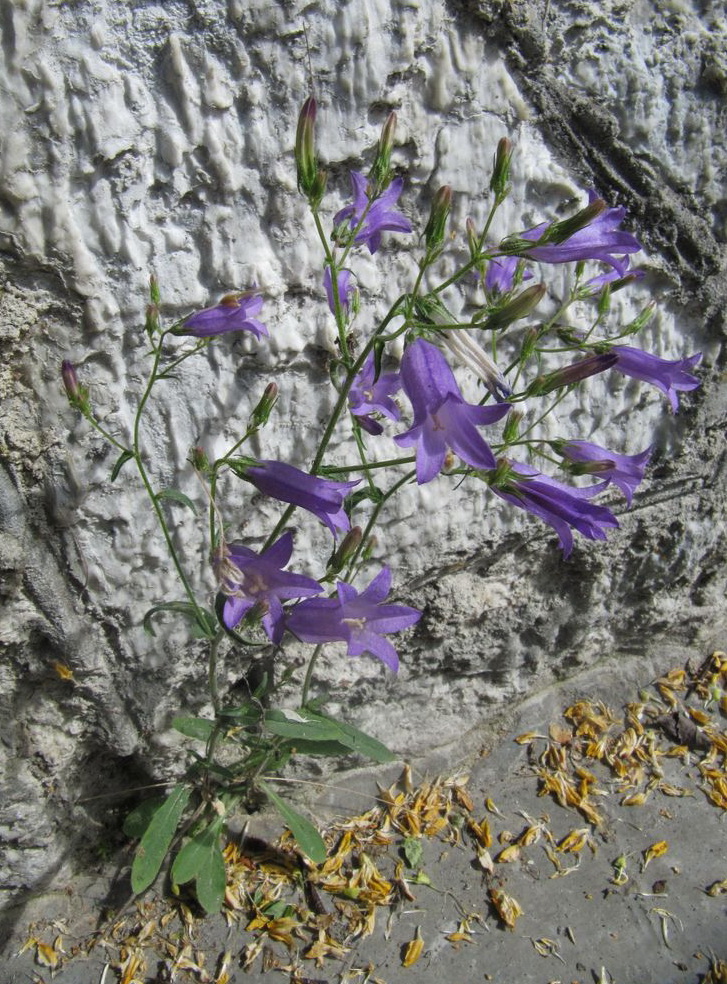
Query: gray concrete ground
point(633, 899)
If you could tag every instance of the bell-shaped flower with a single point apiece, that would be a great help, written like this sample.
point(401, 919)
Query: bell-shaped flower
point(599, 239)
point(319, 496)
point(250, 579)
point(369, 395)
point(235, 312)
point(442, 419)
point(670, 376)
point(380, 214)
point(345, 289)
point(625, 471)
point(561, 506)
point(360, 620)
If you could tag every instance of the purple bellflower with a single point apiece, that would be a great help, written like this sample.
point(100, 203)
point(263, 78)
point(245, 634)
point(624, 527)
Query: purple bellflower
point(250, 579)
point(319, 496)
point(600, 240)
point(369, 395)
point(500, 275)
point(381, 215)
point(667, 375)
point(345, 289)
point(235, 312)
point(360, 620)
point(626, 471)
point(442, 419)
point(561, 506)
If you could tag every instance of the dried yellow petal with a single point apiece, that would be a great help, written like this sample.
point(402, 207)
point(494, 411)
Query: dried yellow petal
point(413, 950)
point(507, 908)
point(657, 850)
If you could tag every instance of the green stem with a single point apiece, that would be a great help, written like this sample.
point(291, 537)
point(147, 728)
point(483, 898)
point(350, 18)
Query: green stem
point(309, 675)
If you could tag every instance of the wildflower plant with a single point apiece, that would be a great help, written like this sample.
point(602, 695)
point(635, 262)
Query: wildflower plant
point(413, 407)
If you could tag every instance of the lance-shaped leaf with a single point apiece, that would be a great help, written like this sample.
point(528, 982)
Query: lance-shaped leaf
point(156, 840)
point(201, 860)
point(309, 840)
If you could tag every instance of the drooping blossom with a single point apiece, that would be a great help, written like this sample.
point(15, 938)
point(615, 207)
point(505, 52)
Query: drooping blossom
point(381, 215)
point(345, 289)
point(670, 376)
point(626, 471)
point(235, 312)
point(319, 496)
point(561, 506)
point(250, 579)
point(500, 275)
point(442, 419)
point(601, 239)
point(360, 620)
point(369, 395)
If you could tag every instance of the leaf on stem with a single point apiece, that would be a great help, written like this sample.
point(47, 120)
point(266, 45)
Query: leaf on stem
point(201, 860)
point(204, 622)
point(120, 462)
point(309, 840)
point(156, 840)
point(174, 495)
point(192, 727)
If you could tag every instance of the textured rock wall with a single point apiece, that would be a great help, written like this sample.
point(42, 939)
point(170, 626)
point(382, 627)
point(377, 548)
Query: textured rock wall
point(160, 138)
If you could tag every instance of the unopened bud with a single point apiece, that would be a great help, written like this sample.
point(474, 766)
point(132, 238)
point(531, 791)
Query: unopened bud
point(501, 169)
point(305, 152)
point(511, 430)
point(558, 232)
point(198, 460)
point(346, 551)
point(154, 295)
point(574, 373)
point(151, 324)
point(641, 320)
point(434, 231)
point(519, 307)
point(262, 411)
point(380, 173)
point(76, 393)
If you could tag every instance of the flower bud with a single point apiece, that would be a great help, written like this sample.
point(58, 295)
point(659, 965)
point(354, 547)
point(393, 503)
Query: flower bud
point(501, 169)
point(305, 153)
point(346, 551)
point(511, 430)
point(262, 411)
point(198, 460)
point(641, 320)
point(380, 173)
point(434, 231)
point(151, 324)
point(558, 232)
point(519, 307)
point(154, 294)
point(76, 393)
point(573, 373)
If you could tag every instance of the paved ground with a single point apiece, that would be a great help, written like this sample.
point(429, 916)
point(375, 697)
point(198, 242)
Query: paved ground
point(609, 892)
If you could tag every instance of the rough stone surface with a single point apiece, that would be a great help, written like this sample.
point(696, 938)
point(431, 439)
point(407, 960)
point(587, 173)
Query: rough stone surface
point(147, 137)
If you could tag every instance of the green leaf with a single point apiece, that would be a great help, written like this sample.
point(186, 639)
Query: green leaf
point(413, 851)
point(201, 859)
point(192, 727)
point(140, 817)
point(300, 725)
point(156, 840)
point(204, 623)
point(332, 749)
point(176, 496)
point(211, 881)
point(309, 840)
point(358, 741)
point(120, 462)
